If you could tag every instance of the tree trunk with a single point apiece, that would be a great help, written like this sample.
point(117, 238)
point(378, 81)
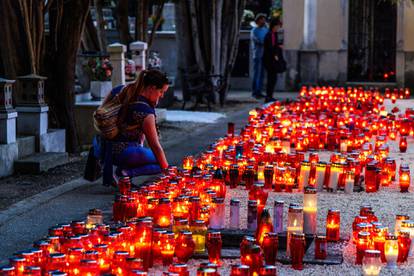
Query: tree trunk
point(65, 37)
point(122, 22)
point(103, 42)
point(156, 23)
point(90, 39)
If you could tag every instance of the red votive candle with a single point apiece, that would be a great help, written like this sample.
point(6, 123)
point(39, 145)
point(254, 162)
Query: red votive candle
point(333, 222)
point(180, 269)
point(379, 234)
point(253, 259)
point(268, 177)
point(403, 144)
point(124, 185)
point(248, 177)
point(184, 247)
point(214, 245)
point(297, 250)
point(268, 270)
point(239, 270)
point(362, 245)
point(404, 180)
point(245, 244)
point(321, 247)
point(264, 226)
point(234, 175)
point(167, 248)
point(404, 243)
point(269, 247)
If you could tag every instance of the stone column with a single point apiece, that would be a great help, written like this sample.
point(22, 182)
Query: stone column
point(31, 106)
point(139, 49)
point(117, 57)
point(309, 24)
point(7, 114)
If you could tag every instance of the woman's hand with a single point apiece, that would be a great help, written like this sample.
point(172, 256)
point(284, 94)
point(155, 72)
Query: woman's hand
point(150, 132)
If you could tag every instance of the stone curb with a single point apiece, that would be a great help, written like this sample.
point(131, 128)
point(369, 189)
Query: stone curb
point(27, 204)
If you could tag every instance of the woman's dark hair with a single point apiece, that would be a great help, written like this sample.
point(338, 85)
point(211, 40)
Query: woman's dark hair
point(153, 77)
point(275, 21)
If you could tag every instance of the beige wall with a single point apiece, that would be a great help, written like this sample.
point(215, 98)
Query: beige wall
point(330, 25)
point(293, 23)
point(408, 28)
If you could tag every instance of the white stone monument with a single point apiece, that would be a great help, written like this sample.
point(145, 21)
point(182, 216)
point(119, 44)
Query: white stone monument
point(139, 49)
point(117, 57)
point(7, 113)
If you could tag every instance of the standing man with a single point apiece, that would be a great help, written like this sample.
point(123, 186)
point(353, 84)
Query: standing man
point(257, 36)
point(273, 59)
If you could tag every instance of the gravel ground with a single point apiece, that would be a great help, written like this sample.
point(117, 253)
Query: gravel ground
point(386, 203)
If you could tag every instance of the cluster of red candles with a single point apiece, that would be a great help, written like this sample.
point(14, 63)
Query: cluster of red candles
point(169, 218)
point(392, 247)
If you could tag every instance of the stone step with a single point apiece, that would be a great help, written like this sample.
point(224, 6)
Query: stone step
point(40, 162)
point(27, 145)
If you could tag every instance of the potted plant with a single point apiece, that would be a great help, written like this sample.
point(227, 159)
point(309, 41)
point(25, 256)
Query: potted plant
point(100, 72)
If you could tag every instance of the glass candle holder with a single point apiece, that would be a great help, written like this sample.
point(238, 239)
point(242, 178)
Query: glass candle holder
point(184, 247)
point(179, 208)
point(248, 177)
point(371, 264)
point(56, 261)
point(32, 270)
point(335, 172)
point(404, 244)
point(10, 270)
point(188, 162)
point(214, 245)
point(259, 194)
point(239, 270)
point(268, 270)
point(245, 244)
point(217, 216)
point(278, 216)
point(253, 259)
point(167, 248)
point(260, 173)
point(370, 178)
point(264, 226)
point(179, 269)
point(269, 247)
point(89, 267)
point(163, 214)
point(297, 250)
point(234, 214)
point(252, 215)
point(404, 180)
point(398, 222)
point(403, 144)
point(333, 222)
point(118, 266)
point(195, 207)
point(321, 247)
point(408, 225)
point(199, 230)
point(279, 175)
point(391, 250)
point(310, 210)
point(378, 238)
point(362, 245)
point(349, 182)
point(234, 175)
point(19, 264)
point(294, 224)
point(144, 240)
point(320, 175)
point(124, 185)
point(268, 177)
point(304, 175)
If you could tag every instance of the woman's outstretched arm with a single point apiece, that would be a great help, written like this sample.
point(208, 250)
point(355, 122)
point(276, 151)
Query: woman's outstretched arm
point(150, 132)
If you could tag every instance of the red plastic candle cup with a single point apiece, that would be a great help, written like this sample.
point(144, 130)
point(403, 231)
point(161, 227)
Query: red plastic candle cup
point(33, 270)
point(245, 244)
point(321, 247)
point(370, 177)
point(89, 267)
point(195, 207)
point(268, 177)
point(214, 245)
point(19, 264)
point(156, 244)
point(8, 270)
point(268, 270)
point(239, 270)
point(119, 266)
point(379, 234)
point(404, 243)
point(181, 269)
point(56, 261)
point(254, 259)
point(163, 214)
point(184, 247)
point(234, 176)
point(167, 248)
point(269, 247)
point(297, 250)
point(362, 245)
point(404, 180)
point(403, 144)
point(124, 185)
point(333, 222)
point(248, 177)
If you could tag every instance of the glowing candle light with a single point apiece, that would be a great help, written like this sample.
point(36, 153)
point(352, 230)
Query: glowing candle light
point(371, 264)
point(404, 180)
point(264, 226)
point(398, 222)
point(333, 225)
point(295, 224)
point(310, 210)
point(320, 175)
point(403, 144)
point(391, 250)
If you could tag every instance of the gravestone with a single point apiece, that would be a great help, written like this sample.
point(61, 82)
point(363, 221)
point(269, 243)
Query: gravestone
point(8, 146)
point(139, 49)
